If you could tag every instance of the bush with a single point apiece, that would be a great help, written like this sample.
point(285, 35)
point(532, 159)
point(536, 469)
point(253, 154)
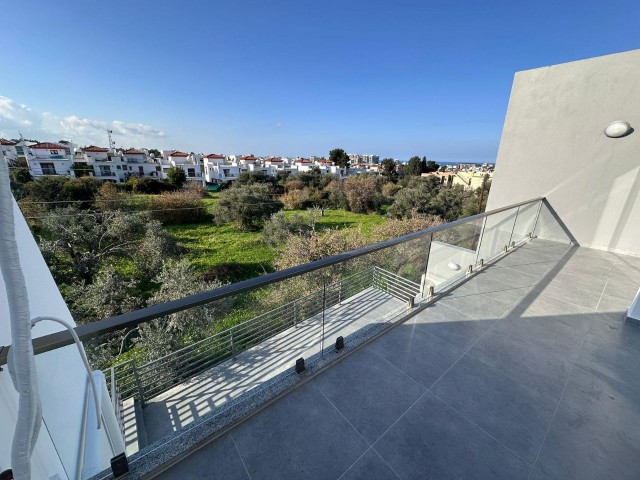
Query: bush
point(337, 198)
point(109, 197)
point(151, 186)
point(279, 227)
point(295, 199)
point(363, 195)
point(223, 272)
point(247, 205)
point(176, 176)
point(184, 206)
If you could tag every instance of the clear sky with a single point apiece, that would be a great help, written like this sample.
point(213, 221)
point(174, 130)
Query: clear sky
point(394, 78)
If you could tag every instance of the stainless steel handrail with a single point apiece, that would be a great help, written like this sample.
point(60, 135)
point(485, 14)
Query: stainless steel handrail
point(63, 338)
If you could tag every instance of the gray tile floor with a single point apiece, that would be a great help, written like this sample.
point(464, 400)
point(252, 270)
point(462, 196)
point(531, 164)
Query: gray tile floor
point(527, 371)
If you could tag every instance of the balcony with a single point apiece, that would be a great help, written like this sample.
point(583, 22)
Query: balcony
point(525, 371)
point(474, 349)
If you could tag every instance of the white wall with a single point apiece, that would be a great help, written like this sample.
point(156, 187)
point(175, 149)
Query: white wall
point(62, 378)
point(553, 145)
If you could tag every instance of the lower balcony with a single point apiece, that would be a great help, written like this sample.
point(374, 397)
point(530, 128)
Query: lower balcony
point(527, 370)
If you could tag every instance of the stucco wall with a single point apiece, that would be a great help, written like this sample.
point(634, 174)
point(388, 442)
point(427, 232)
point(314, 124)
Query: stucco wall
point(553, 145)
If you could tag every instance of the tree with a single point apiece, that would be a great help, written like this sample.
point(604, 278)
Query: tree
point(176, 176)
point(431, 166)
point(339, 157)
point(279, 227)
point(21, 175)
point(415, 198)
point(363, 193)
point(248, 205)
point(414, 167)
point(177, 279)
point(156, 153)
point(76, 243)
point(81, 169)
point(389, 168)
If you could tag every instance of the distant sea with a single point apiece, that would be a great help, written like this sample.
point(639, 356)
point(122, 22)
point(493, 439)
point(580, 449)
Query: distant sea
point(456, 163)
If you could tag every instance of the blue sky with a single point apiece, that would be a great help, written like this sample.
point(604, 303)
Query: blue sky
point(395, 78)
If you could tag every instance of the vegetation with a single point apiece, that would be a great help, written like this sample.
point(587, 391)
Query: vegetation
point(117, 247)
point(339, 157)
point(176, 176)
point(247, 205)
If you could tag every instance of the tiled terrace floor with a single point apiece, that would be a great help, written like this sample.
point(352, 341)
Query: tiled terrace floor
point(526, 371)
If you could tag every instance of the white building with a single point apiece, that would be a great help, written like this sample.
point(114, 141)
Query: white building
point(218, 170)
point(49, 159)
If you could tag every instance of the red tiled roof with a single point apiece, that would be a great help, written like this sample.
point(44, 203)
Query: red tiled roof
point(133, 151)
point(303, 160)
point(214, 155)
point(47, 146)
point(275, 160)
point(248, 157)
point(7, 142)
point(178, 154)
point(93, 148)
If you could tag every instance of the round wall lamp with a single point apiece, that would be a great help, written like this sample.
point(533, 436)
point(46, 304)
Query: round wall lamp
point(618, 129)
point(453, 266)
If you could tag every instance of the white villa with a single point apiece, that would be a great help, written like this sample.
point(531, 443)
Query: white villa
point(118, 165)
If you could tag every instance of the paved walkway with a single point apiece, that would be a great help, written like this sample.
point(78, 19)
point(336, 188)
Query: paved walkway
point(526, 372)
point(187, 402)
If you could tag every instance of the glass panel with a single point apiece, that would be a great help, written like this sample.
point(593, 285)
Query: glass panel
point(525, 222)
point(549, 228)
point(187, 364)
point(452, 251)
point(496, 234)
point(371, 291)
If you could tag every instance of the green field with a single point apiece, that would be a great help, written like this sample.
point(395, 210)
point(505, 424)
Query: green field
point(209, 244)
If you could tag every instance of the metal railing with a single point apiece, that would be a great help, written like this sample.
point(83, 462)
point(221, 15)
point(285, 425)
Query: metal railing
point(155, 377)
point(116, 397)
point(133, 319)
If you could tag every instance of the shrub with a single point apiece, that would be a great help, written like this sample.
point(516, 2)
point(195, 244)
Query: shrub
point(295, 199)
point(184, 206)
point(247, 205)
point(151, 186)
point(362, 193)
point(176, 176)
point(279, 227)
point(109, 197)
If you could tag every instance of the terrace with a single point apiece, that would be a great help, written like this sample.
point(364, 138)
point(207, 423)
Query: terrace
point(471, 349)
point(527, 370)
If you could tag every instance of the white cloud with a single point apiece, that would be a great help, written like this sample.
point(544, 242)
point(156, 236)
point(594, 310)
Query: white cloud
point(46, 126)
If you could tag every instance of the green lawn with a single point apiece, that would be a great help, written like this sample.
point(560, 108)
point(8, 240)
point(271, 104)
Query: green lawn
point(344, 219)
point(209, 245)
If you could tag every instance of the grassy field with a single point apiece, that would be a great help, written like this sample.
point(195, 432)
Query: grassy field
point(209, 244)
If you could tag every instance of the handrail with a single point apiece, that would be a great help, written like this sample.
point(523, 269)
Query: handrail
point(60, 339)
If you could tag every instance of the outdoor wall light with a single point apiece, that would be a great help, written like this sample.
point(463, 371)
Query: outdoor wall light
point(617, 129)
point(453, 266)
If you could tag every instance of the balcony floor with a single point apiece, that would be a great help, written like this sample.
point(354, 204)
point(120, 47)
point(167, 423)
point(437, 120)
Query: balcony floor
point(526, 371)
point(189, 401)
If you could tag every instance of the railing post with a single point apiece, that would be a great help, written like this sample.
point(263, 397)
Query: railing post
point(295, 314)
point(535, 223)
point(324, 304)
point(138, 382)
point(233, 346)
point(113, 388)
point(426, 266)
point(482, 229)
point(515, 220)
